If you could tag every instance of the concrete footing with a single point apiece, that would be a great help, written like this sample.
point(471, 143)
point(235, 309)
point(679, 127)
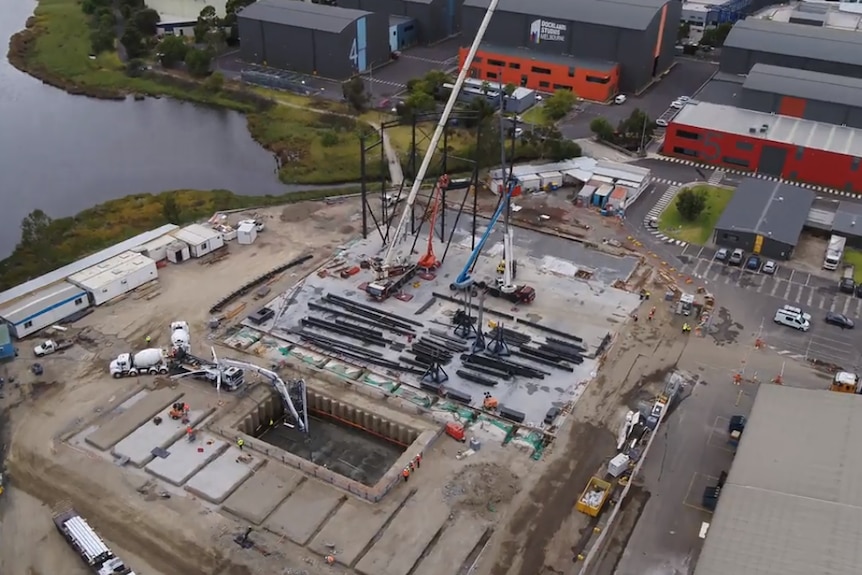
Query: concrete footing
point(304, 512)
point(221, 477)
point(139, 445)
point(144, 408)
point(454, 546)
point(185, 458)
point(263, 492)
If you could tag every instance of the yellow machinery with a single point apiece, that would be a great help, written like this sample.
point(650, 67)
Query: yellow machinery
point(594, 497)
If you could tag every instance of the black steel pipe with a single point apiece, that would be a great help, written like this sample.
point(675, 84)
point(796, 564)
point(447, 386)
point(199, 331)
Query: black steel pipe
point(319, 324)
point(366, 320)
point(541, 327)
point(543, 361)
point(509, 366)
point(571, 356)
point(369, 314)
point(443, 335)
point(378, 311)
point(336, 343)
point(475, 378)
point(474, 306)
point(344, 323)
point(450, 345)
point(490, 372)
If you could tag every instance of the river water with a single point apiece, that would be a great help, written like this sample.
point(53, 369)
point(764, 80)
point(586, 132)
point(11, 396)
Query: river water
point(63, 153)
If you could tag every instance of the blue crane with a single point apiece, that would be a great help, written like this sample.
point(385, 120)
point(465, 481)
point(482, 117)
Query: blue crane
point(465, 280)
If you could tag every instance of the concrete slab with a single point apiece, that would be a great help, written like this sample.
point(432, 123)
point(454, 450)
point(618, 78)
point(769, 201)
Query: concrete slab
point(453, 547)
point(302, 514)
point(129, 419)
point(266, 489)
point(406, 538)
point(220, 478)
point(185, 458)
point(139, 445)
point(355, 524)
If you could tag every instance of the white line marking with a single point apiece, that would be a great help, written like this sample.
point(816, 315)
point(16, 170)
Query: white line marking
point(790, 279)
point(775, 287)
point(787, 291)
point(832, 307)
point(807, 278)
point(846, 305)
point(810, 297)
point(701, 251)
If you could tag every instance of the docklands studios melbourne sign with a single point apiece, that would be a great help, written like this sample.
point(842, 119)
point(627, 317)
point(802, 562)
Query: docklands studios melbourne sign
point(547, 31)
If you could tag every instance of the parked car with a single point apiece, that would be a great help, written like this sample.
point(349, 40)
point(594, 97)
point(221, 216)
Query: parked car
point(840, 320)
point(620, 99)
point(684, 99)
point(769, 268)
point(721, 255)
point(677, 104)
point(653, 223)
point(661, 123)
point(753, 263)
point(736, 257)
point(858, 290)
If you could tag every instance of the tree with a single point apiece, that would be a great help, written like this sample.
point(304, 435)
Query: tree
point(509, 89)
point(716, 36)
point(690, 203)
point(172, 50)
point(134, 42)
point(215, 82)
point(355, 93)
point(602, 129)
point(101, 40)
point(198, 62)
point(560, 103)
point(683, 32)
point(146, 21)
point(34, 227)
point(416, 103)
point(486, 87)
point(170, 209)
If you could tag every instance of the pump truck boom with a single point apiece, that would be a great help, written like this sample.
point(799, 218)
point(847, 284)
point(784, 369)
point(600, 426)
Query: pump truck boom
point(390, 265)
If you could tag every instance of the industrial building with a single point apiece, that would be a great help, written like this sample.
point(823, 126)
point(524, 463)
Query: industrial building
point(43, 307)
point(403, 33)
point(115, 277)
point(847, 222)
point(790, 502)
point(434, 19)
point(590, 79)
point(764, 217)
point(518, 102)
point(791, 148)
point(200, 240)
point(315, 39)
point(706, 13)
point(817, 49)
point(804, 94)
point(638, 36)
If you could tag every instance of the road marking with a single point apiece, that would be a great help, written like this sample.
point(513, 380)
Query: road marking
point(775, 285)
point(858, 305)
point(833, 306)
point(790, 279)
point(810, 297)
point(798, 298)
point(709, 479)
point(697, 267)
point(726, 280)
point(807, 279)
point(701, 251)
point(846, 305)
point(787, 291)
point(685, 249)
point(822, 302)
point(760, 287)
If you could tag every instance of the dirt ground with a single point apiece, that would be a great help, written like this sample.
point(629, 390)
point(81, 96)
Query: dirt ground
point(531, 503)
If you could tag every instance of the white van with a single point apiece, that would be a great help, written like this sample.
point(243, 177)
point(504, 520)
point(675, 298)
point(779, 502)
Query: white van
point(797, 311)
point(792, 318)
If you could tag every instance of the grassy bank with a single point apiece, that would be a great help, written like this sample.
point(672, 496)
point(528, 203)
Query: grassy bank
point(699, 231)
point(55, 243)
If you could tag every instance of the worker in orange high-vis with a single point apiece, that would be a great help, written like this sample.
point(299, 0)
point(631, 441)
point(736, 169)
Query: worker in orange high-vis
point(405, 474)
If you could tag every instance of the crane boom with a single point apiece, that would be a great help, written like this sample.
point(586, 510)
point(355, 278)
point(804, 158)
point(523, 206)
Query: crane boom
point(435, 141)
point(278, 384)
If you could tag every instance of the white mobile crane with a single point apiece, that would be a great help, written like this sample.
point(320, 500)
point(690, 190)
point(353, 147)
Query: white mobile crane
point(392, 264)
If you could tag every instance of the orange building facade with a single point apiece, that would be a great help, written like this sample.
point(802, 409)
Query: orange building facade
point(531, 70)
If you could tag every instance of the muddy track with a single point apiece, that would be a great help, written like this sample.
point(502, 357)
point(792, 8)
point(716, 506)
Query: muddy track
point(165, 549)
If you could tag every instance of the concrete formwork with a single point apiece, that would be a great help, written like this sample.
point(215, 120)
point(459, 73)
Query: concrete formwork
point(302, 514)
point(454, 546)
point(401, 545)
point(185, 458)
point(129, 418)
point(139, 446)
point(355, 524)
point(222, 477)
point(263, 492)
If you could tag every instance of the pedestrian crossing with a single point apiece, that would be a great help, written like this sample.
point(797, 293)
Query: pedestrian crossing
point(385, 82)
point(665, 181)
point(665, 199)
point(716, 177)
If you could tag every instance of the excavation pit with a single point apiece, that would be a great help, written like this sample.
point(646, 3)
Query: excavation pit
point(348, 446)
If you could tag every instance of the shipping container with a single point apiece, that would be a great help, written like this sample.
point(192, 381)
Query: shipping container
point(594, 497)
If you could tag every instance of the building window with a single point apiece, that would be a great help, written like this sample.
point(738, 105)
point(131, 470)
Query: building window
point(731, 237)
point(855, 165)
point(514, 66)
point(800, 152)
point(544, 84)
point(735, 162)
point(598, 79)
point(562, 87)
point(687, 135)
point(491, 75)
point(571, 72)
point(684, 152)
point(744, 146)
point(79, 301)
point(28, 324)
point(537, 70)
point(497, 63)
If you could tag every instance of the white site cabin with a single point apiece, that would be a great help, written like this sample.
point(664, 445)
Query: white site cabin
point(200, 239)
point(116, 276)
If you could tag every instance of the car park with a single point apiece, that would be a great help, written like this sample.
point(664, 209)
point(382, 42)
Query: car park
point(839, 320)
point(769, 268)
point(721, 255)
point(752, 263)
point(736, 257)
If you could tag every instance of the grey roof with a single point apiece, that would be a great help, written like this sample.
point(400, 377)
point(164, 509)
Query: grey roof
point(297, 14)
point(592, 64)
point(814, 86)
point(794, 131)
point(848, 219)
point(774, 210)
point(627, 14)
point(792, 503)
point(799, 40)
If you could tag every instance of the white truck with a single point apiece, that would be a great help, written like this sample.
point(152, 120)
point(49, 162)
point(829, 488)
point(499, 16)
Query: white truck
point(834, 253)
point(50, 346)
point(181, 337)
point(149, 361)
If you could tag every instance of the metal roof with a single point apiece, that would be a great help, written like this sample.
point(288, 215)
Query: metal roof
point(793, 131)
point(302, 15)
point(848, 219)
point(62, 273)
point(792, 503)
point(799, 40)
point(814, 86)
point(594, 65)
point(774, 210)
point(627, 14)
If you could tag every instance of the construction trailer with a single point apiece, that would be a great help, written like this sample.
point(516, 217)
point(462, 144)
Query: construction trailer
point(95, 554)
point(156, 250)
point(116, 277)
point(44, 307)
point(201, 240)
point(7, 348)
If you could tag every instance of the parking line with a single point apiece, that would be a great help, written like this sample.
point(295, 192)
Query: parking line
point(760, 287)
point(822, 302)
point(701, 250)
point(697, 267)
point(691, 486)
point(833, 306)
point(685, 249)
point(807, 279)
point(858, 306)
point(846, 305)
point(775, 287)
point(810, 297)
point(787, 291)
point(790, 279)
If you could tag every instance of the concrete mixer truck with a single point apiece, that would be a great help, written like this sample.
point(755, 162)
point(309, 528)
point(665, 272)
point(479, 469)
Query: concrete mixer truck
point(181, 337)
point(149, 361)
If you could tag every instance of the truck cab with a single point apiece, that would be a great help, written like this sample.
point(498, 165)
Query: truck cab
point(845, 382)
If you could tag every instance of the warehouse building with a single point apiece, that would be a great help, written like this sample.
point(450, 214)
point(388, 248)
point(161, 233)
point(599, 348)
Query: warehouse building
point(791, 503)
point(713, 13)
point(791, 148)
point(403, 33)
point(847, 222)
point(115, 277)
point(764, 217)
point(435, 19)
point(804, 94)
point(637, 36)
point(326, 41)
point(817, 49)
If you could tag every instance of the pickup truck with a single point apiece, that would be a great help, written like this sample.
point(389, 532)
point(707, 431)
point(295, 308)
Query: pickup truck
point(50, 346)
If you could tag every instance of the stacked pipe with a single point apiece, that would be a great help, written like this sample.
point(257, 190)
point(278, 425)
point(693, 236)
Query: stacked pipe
point(355, 352)
point(544, 358)
point(345, 315)
point(427, 352)
point(346, 329)
point(509, 367)
point(384, 318)
point(552, 331)
point(510, 336)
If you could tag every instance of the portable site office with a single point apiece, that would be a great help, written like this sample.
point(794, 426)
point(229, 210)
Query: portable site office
point(116, 276)
point(201, 240)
